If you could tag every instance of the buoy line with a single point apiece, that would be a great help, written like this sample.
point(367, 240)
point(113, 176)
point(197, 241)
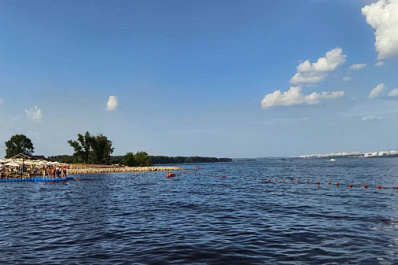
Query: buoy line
point(329, 183)
point(192, 172)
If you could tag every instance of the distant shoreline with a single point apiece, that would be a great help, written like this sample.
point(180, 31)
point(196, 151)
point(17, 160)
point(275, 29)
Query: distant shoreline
point(107, 169)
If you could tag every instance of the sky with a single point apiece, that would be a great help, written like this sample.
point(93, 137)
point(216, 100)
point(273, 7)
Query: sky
point(201, 78)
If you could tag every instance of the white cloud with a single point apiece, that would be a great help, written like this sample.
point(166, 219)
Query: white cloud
point(393, 93)
point(379, 63)
point(357, 66)
point(34, 113)
point(376, 91)
point(370, 118)
point(311, 73)
point(383, 17)
point(112, 103)
point(294, 96)
point(347, 78)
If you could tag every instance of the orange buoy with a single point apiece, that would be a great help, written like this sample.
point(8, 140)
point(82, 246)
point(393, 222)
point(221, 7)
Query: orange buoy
point(298, 180)
point(350, 185)
point(365, 186)
point(317, 182)
point(276, 180)
point(379, 187)
point(170, 175)
point(308, 182)
point(329, 183)
point(292, 180)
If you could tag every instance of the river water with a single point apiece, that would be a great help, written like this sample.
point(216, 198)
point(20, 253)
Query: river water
point(199, 217)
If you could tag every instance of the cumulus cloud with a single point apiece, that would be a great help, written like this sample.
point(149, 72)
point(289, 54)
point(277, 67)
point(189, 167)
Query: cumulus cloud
point(357, 66)
point(379, 63)
point(370, 118)
point(34, 113)
point(294, 96)
point(112, 103)
point(312, 73)
point(376, 91)
point(383, 17)
point(393, 93)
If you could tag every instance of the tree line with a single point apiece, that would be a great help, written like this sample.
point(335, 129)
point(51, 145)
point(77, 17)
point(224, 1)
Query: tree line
point(97, 149)
point(157, 160)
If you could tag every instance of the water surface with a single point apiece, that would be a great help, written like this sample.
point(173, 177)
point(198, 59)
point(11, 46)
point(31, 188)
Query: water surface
point(201, 219)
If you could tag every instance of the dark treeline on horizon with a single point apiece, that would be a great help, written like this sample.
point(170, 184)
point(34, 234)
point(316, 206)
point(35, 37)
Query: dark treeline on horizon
point(186, 159)
point(156, 160)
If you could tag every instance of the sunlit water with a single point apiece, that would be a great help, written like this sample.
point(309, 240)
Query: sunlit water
point(199, 219)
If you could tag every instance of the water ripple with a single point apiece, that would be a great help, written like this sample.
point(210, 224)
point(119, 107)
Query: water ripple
point(196, 219)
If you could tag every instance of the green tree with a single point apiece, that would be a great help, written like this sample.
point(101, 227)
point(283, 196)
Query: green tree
point(92, 149)
point(82, 146)
point(101, 149)
point(129, 160)
point(142, 159)
point(18, 143)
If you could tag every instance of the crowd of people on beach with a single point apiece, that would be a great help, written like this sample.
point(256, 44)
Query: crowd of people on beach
point(29, 171)
point(51, 172)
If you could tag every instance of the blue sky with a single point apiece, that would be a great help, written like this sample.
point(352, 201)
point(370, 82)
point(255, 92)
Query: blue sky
point(208, 78)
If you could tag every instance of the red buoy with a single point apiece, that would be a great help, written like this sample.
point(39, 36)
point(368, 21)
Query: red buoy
point(379, 187)
point(337, 184)
point(276, 180)
point(283, 180)
point(308, 182)
point(317, 182)
point(350, 185)
point(329, 183)
point(365, 186)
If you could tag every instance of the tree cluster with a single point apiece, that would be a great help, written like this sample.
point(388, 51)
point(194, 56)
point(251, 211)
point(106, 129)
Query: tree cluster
point(92, 149)
point(139, 159)
point(98, 149)
point(19, 143)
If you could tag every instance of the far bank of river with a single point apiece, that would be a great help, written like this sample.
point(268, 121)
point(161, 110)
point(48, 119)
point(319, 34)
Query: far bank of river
point(98, 170)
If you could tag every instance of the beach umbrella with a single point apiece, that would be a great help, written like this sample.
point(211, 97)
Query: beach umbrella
point(12, 164)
